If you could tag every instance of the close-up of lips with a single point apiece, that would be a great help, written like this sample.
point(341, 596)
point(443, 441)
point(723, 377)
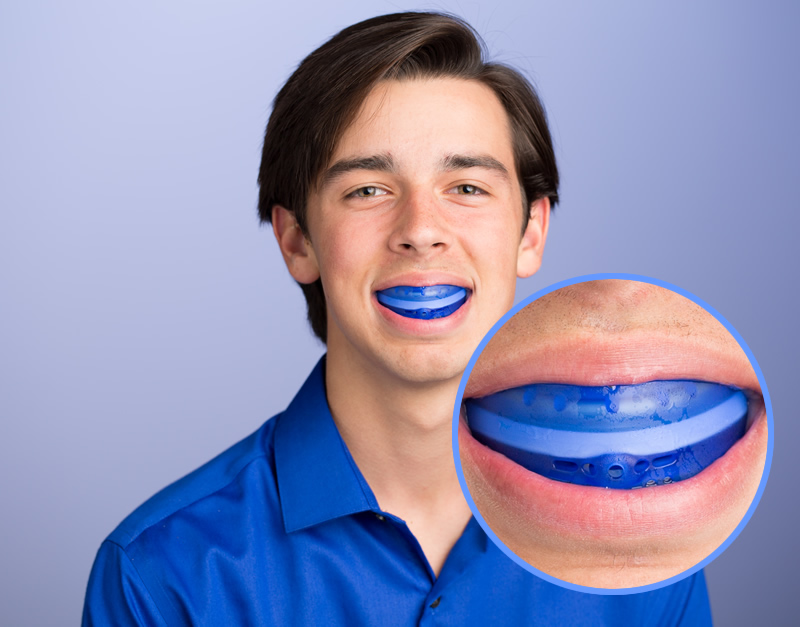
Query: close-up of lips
point(585, 489)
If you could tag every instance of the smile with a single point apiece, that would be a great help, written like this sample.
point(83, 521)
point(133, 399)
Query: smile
point(618, 436)
point(425, 303)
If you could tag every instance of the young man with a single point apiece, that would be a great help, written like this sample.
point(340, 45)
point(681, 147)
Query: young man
point(408, 184)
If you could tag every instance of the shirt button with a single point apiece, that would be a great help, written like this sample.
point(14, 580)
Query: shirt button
point(435, 604)
point(380, 516)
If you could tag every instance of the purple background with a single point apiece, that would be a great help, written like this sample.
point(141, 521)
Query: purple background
point(146, 322)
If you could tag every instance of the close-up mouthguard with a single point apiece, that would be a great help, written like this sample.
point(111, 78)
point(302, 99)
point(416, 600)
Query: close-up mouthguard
point(616, 436)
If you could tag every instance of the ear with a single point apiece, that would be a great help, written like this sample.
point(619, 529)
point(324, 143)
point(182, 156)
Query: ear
point(298, 253)
point(531, 247)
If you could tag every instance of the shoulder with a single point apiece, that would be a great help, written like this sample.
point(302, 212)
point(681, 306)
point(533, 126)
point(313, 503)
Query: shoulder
point(243, 468)
point(155, 568)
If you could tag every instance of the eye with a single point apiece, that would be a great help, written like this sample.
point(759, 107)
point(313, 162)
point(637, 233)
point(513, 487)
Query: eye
point(369, 191)
point(468, 190)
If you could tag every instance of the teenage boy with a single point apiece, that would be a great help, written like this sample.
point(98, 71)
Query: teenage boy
point(408, 184)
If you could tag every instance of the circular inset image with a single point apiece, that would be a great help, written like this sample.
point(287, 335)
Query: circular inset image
point(612, 433)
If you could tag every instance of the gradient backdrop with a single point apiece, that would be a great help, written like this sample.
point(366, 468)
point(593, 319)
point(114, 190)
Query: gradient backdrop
point(147, 322)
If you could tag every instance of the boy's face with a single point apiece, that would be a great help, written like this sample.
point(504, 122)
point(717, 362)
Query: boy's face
point(422, 190)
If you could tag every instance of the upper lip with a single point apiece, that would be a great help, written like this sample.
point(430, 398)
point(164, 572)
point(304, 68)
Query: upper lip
point(635, 357)
point(422, 279)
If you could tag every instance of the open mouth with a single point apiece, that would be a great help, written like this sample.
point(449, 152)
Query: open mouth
point(501, 484)
point(423, 303)
point(618, 436)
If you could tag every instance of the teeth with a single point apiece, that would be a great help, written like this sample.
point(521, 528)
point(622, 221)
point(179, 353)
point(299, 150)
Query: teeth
point(614, 436)
point(434, 301)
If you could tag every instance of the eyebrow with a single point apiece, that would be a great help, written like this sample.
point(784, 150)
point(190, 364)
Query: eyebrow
point(379, 163)
point(385, 163)
point(463, 162)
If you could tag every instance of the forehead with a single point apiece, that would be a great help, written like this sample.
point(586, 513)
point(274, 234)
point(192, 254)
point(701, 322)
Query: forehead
point(420, 119)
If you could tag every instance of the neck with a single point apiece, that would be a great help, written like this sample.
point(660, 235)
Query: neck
point(400, 435)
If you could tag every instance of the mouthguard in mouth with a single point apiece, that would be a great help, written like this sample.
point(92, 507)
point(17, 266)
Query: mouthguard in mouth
point(619, 436)
point(427, 303)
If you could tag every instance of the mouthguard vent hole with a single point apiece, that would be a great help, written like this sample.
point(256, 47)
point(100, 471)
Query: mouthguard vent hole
point(565, 466)
point(615, 471)
point(589, 469)
point(664, 460)
point(641, 466)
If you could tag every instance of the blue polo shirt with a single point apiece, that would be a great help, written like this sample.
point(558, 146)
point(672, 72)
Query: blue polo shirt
point(282, 529)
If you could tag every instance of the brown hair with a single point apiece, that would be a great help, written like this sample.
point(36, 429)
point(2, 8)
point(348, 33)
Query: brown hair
point(323, 96)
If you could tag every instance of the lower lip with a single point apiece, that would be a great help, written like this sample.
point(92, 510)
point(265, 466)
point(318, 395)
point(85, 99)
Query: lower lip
point(424, 327)
point(679, 508)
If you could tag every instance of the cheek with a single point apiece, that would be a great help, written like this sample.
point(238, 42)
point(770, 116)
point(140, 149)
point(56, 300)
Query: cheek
point(344, 251)
point(495, 244)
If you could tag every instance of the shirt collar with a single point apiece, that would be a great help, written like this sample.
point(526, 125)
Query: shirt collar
point(318, 480)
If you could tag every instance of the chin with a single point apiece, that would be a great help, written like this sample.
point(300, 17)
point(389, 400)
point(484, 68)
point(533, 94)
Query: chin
point(427, 364)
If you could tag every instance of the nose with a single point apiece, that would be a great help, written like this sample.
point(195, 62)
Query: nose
point(420, 226)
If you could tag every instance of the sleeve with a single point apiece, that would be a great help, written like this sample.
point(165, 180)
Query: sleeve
point(116, 594)
point(697, 610)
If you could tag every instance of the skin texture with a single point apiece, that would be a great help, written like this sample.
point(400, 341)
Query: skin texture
point(413, 214)
point(604, 333)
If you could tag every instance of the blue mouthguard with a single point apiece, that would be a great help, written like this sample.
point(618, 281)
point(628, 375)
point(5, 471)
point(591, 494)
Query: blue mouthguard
point(619, 436)
point(434, 301)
